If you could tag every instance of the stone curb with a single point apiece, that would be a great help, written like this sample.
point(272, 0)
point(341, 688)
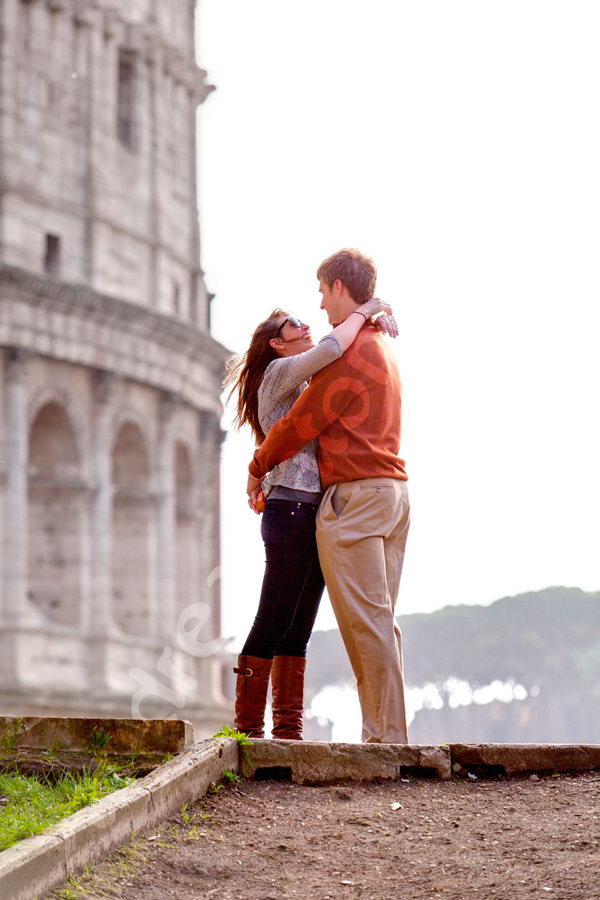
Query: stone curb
point(320, 762)
point(316, 762)
point(35, 865)
point(515, 758)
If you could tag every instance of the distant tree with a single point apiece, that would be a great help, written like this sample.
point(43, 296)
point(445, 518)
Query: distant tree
point(548, 641)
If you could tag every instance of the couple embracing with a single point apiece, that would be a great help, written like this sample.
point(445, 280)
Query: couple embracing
point(327, 423)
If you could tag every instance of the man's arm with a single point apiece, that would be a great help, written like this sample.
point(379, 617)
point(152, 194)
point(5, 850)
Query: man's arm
point(323, 402)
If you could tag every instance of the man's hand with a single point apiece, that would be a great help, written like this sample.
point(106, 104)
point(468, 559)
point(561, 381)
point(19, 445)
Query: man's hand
point(253, 489)
point(256, 501)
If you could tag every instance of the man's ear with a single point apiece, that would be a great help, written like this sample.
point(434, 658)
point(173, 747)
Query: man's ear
point(275, 344)
point(338, 286)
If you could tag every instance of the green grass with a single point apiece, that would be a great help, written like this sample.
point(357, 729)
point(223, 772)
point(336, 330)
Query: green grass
point(99, 739)
point(231, 777)
point(35, 803)
point(240, 736)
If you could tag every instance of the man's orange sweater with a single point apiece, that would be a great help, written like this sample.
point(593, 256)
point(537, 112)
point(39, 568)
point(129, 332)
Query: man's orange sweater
point(353, 406)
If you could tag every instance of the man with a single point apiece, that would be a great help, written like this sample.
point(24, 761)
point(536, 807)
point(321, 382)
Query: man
point(353, 407)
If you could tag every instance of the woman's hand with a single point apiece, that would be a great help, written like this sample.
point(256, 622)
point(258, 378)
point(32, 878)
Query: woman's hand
point(384, 321)
point(374, 307)
point(386, 325)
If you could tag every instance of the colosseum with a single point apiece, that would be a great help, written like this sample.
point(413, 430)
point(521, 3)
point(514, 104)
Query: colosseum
point(109, 377)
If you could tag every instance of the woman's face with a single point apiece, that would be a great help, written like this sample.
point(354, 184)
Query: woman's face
point(294, 339)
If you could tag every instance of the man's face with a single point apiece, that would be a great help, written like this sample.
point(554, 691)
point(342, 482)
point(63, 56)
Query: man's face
point(330, 301)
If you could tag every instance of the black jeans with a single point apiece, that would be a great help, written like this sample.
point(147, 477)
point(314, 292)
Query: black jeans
point(292, 584)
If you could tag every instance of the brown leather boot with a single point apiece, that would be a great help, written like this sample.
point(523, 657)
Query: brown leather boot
point(251, 689)
point(287, 676)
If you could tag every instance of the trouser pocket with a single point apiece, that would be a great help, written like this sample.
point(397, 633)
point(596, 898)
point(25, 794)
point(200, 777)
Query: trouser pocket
point(340, 497)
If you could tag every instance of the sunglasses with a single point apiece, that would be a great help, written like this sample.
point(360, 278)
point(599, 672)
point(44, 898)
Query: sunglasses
point(293, 321)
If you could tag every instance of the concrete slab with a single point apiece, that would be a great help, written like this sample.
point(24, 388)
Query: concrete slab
point(319, 762)
point(161, 736)
point(514, 758)
point(38, 745)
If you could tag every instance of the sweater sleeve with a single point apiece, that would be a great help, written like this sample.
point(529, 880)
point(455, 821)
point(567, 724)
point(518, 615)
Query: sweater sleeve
point(285, 374)
point(322, 403)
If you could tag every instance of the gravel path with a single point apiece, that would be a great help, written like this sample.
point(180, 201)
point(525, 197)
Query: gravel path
point(507, 838)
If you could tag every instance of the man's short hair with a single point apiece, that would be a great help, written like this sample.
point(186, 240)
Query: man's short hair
point(354, 269)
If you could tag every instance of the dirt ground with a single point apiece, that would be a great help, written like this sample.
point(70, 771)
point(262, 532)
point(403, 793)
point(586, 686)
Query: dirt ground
point(506, 838)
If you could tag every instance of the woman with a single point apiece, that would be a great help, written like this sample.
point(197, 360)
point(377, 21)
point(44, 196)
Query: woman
point(269, 378)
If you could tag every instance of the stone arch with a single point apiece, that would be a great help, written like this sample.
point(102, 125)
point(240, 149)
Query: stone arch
point(77, 416)
point(128, 415)
point(185, 587)
point(55, 509)
point(131, 530)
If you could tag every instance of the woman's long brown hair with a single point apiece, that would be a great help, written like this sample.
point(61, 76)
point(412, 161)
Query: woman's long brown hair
point(245, 373)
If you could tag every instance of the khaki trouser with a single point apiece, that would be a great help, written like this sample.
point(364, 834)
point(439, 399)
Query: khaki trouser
point(361, 535)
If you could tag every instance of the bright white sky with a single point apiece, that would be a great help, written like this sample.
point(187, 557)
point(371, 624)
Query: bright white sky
point(458, 143)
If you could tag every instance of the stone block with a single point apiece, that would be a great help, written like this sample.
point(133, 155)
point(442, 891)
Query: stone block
point(514, 758)
point(112, 25)
point(58, 5)
point(160, 736)
point(84, 12)
point(316, 762)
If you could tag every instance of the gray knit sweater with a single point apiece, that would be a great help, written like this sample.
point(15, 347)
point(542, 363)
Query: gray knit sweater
point(284, 380)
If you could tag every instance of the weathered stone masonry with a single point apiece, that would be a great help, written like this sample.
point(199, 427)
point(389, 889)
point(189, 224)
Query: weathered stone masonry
point(109, 379)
